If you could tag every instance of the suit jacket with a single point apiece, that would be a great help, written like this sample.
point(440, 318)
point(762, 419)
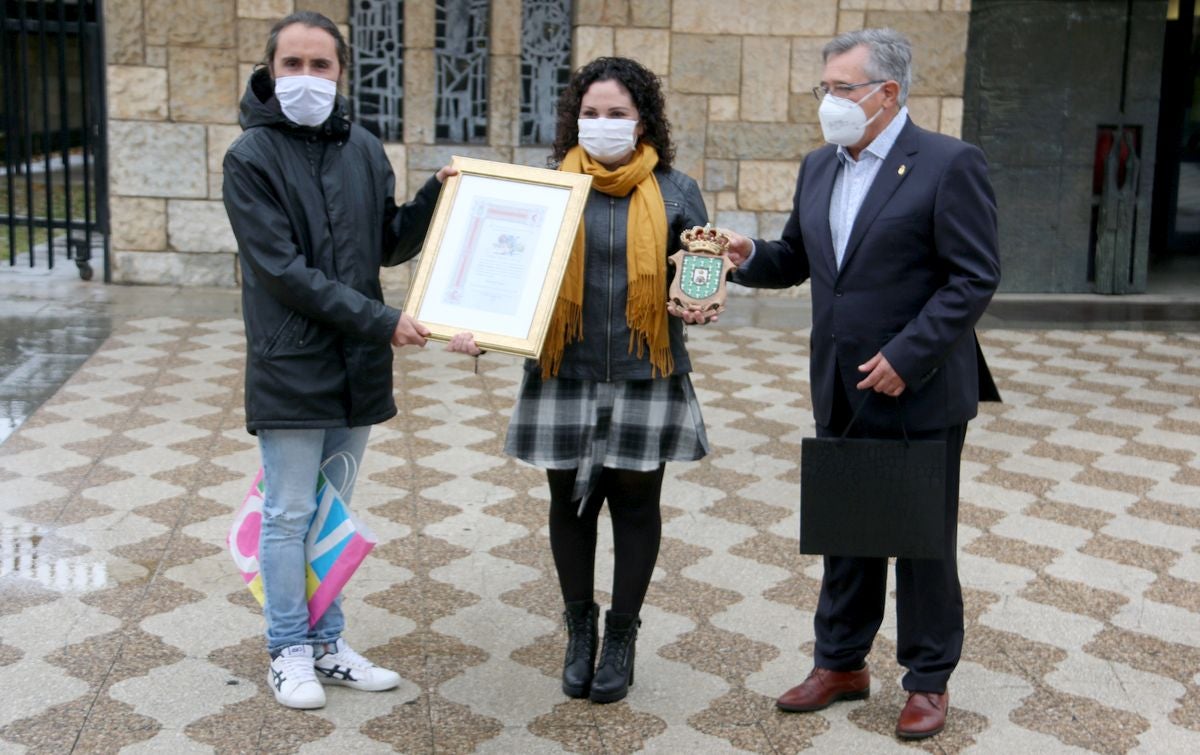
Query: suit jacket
point(920, 267)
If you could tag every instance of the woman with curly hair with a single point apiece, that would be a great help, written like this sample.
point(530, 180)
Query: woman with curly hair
point(610, 401)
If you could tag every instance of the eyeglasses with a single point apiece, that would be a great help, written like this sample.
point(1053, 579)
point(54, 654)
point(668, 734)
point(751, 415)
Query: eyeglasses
point(841, 90)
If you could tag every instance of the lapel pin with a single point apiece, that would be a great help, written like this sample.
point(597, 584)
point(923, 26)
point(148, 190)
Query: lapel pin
point(902, 169)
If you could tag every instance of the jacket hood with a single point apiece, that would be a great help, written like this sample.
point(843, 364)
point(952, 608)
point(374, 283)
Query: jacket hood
point(260, 108)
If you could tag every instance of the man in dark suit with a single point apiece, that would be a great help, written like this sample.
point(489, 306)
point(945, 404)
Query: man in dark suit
point(896, 228)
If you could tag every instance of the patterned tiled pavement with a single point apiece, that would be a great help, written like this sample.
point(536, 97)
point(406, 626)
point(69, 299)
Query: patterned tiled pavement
point(124, 626)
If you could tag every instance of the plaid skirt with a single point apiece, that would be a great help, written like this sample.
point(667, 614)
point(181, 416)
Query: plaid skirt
point(585, 425)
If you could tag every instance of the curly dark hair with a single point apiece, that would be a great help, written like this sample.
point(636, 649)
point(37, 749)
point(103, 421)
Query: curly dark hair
point(643, 86)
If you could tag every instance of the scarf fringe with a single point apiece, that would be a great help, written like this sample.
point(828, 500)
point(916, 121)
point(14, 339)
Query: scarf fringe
point(570, 315)
point(647, 325)
point(662, 361)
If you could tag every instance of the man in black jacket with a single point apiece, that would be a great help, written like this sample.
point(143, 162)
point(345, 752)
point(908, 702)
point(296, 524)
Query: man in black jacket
point(311, 201)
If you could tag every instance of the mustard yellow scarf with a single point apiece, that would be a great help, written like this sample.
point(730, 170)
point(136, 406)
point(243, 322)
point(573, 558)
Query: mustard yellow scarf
point(645, 256)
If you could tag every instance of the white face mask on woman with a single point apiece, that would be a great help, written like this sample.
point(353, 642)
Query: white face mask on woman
point(844, 121)
point(608, 139)
point(306, 100)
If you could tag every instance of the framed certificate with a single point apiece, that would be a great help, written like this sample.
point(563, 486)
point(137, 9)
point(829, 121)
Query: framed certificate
point(496, 252)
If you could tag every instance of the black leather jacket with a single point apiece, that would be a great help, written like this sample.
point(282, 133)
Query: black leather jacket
point(603, 354)
point(314, 214)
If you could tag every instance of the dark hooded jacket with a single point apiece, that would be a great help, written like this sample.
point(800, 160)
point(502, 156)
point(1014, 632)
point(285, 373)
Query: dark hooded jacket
point(315, 217)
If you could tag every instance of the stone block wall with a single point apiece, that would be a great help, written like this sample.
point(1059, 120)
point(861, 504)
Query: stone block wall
point(176, 71)
point(737, 75)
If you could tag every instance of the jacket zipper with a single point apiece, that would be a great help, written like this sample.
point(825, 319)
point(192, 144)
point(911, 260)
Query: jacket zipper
point(608, 320)
point(318, 171)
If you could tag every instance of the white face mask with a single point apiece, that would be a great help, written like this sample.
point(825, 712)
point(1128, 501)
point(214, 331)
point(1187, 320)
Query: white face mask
point(844, 121)
point(607, 139)
point(306, 100)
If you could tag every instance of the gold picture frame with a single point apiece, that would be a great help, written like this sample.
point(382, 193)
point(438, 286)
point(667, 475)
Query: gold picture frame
point(496, 252)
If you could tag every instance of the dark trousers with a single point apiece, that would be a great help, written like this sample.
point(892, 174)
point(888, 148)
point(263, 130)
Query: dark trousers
point(929, 608)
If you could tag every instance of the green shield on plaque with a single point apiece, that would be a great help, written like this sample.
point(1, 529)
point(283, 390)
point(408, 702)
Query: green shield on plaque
point(701, 276)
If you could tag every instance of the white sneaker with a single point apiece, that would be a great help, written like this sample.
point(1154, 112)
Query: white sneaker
point(341, 665)
point(292, 679)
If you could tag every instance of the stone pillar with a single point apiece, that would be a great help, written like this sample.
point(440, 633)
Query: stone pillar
point(504, 76)
point(174, 81)
point(419, 79)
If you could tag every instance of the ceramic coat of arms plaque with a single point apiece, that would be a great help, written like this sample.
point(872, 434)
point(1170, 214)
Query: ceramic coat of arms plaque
point(701, 267)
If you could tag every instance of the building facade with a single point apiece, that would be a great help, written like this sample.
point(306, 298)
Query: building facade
point(456, 77)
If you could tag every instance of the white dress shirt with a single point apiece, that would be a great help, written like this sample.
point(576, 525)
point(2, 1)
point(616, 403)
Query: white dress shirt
point(852, 183)
point(854, 180)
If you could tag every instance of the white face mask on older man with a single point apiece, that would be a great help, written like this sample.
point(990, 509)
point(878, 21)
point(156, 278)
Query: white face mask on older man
point(843, 121)
point(306, 100)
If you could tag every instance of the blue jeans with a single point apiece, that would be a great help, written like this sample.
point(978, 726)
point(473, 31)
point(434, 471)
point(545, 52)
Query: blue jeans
point(291, 460)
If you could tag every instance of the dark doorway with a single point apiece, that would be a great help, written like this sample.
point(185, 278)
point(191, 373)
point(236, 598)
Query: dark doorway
point(1063, 98)
point(1175, 229)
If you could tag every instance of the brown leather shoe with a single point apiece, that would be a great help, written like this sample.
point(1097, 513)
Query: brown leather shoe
point(823, 688)
point(923, 716)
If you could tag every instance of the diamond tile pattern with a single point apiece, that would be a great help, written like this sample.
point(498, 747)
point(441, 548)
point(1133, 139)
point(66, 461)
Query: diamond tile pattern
point(124, 625)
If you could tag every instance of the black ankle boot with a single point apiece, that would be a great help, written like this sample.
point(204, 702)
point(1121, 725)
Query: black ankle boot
point(614, 677)
point(580, 662)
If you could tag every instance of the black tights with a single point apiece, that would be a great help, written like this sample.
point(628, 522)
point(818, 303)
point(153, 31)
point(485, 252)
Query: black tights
point(637, 528)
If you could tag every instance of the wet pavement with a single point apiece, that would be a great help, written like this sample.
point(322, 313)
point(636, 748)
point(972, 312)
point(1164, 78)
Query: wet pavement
point(42, 343)
point(51, 322)
point(124, 625)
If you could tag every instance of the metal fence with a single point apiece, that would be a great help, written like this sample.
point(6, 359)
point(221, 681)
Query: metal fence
point(54, 188)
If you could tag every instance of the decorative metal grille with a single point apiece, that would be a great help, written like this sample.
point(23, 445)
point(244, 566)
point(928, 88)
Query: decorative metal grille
point(378, 68)
point(461, 63)
point(545, 66)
